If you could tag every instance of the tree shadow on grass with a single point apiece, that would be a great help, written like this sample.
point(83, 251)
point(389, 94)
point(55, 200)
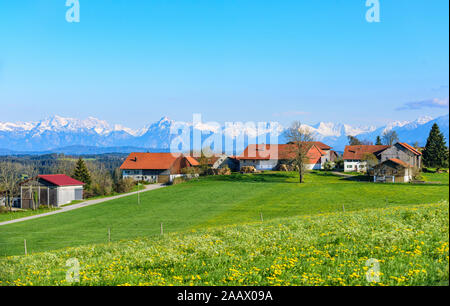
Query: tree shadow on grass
point(272, 177)
point(357, 178)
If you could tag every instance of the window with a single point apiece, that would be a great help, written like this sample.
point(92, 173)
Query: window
point(349, 166)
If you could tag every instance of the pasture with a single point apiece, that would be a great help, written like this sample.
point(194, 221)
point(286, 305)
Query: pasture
point(211, 202)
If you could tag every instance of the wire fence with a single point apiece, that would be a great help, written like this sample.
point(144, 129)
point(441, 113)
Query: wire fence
point(38, 239)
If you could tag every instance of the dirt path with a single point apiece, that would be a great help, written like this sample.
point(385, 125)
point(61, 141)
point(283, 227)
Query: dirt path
point(82, 204)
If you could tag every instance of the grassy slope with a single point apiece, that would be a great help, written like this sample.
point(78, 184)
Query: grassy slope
point(6, 216)
point(436, 177)
point(210, 202)
point(410, 243)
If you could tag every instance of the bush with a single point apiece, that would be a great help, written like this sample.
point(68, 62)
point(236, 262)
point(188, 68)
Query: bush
point(328, 165)
point(339, 163)
point(178, 180)
point(190, 170)
point(125, 185)
point(248, 169)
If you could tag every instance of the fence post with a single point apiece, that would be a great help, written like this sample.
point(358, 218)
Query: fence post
point(25, 245)
point(261, 215)
point(162, 232)
point(109, 234)
point(343, 208)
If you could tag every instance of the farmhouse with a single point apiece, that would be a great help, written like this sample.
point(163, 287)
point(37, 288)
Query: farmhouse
point(403, 152)
point(219, 161)
point(51, 190)
point(354, 156)
point(156, 167)
point(270, 156)
point(393, 170)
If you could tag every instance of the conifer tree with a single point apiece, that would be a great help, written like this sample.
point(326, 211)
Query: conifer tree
point(81, 173)
point(435, 153)
point(378, 141)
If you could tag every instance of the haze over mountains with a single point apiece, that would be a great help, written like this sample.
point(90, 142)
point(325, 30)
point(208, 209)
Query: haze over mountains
point(90, 136)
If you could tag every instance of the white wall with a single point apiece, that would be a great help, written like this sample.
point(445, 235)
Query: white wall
point(67, 194)
point(313, 166)
point(350, 165)
point(259, 164)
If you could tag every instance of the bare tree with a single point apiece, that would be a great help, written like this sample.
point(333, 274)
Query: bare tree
point(353, 141)
point(300, 139)
point(8, 180)
point(390, 137)
point(370, 161)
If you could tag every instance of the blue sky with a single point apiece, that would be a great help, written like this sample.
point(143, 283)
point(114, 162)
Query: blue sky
point(132, 62)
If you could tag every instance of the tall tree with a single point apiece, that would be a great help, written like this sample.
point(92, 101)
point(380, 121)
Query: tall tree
point(81, 173)
point(300, 139)
point(390, 137)
point(353, 141)
point(435, 153)
point(370, 161)
point(378, 141)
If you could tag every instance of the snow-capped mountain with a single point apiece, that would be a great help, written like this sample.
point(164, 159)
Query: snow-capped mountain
point(66, 134)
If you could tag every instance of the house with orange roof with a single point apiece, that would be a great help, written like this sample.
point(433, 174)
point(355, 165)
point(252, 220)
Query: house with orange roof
point(156, 167)
point(403, 152)
point(393, 170)
point(219, 161)
point(400, 161)
point(270, 156)
point(354, 156)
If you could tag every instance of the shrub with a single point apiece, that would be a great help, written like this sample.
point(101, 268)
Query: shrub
point(329, 165)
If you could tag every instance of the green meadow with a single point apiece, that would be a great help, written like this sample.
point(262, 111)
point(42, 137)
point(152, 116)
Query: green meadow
point(212, 202)
point(398, 245)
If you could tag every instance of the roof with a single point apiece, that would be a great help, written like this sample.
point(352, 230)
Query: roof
point(192, 161)
point(395, 161)
point(318, 144)
point(357, 152)
point(60, 180)
point(410, 148)
point(149, 161)
point(279, 151)
point(400, 162)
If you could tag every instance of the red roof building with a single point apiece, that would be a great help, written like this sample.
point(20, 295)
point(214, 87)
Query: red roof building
point(60, 180)
point(50, 190)
point(268, 156)
point(155, 167)
point(357, 152)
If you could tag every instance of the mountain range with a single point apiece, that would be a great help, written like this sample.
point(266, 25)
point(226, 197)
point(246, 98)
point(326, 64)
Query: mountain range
point(91, 136)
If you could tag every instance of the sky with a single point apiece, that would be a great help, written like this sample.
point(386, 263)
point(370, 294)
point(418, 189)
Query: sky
point(132, 62)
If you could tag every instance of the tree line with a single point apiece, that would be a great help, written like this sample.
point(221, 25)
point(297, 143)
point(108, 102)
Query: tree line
point(100, 173)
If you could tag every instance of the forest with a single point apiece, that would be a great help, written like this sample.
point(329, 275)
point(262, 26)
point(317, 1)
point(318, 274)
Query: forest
point(103, 171)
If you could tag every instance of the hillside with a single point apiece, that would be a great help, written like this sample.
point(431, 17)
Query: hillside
point(210, 202)
point(410, 244)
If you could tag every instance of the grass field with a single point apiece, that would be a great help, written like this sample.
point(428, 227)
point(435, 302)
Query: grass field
point(7, 215)
point(211, 202)
point(410, 244)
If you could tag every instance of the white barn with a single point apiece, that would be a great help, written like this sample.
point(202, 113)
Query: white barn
point(50, 190)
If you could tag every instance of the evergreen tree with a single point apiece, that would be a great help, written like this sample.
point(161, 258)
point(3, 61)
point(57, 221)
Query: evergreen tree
point(378, 141)
point(435, 153)
point(81, 173)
